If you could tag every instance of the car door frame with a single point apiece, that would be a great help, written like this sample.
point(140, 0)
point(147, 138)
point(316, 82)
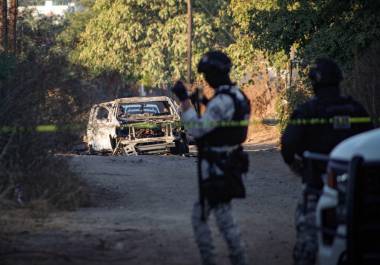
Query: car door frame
point(100, 131)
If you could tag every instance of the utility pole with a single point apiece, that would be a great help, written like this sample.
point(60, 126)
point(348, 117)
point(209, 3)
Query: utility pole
point(12, 30)
point(3, 25)
point(189, 40)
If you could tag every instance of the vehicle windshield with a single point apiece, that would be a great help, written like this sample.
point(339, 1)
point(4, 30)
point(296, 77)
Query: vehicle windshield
point(154, 108)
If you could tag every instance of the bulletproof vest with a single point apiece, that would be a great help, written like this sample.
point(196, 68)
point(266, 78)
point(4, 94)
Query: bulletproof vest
point(235, 131)
point(338, 111)
point(323, 138)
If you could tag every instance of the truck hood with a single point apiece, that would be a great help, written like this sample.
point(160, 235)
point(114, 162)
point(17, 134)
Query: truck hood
point(366, 145)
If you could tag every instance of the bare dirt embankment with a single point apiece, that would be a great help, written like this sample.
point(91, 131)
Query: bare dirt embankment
point(142, 211)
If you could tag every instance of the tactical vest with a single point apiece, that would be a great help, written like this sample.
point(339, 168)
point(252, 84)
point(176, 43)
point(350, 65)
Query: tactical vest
point(233, 132)
point(323, 138)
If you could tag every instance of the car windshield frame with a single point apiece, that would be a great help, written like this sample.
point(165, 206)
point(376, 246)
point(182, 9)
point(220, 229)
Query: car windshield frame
point(144, 109)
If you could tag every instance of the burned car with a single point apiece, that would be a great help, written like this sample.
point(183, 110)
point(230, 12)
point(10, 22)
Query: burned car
point(136, 125)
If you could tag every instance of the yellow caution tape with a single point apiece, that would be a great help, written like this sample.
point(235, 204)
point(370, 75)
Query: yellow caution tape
point(52, 128)
point(46, 128)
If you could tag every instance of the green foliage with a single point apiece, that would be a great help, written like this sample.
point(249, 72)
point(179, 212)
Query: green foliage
point(75, 24)
point(342, 30)
point(333, 28)
point(36, 37)
point(243, 55)
point(7, 66)
point(253, 21)
point(35, 88)
point(288, 100)
point(47, 68)
point(146, 40)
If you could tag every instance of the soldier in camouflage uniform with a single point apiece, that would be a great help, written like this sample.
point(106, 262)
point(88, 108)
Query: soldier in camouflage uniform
point(222, 160)
point(305, 250)
point(328, 104)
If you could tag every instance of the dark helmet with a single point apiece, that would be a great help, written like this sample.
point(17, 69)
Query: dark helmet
point(215, 61)
point(325, 72)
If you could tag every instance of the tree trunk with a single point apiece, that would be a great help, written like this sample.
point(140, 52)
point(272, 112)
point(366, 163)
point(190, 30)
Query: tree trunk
point(12, 41)
point(3, 25)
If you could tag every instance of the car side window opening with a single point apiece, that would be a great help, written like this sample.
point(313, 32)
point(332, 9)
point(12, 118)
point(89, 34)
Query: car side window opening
point(102, 114)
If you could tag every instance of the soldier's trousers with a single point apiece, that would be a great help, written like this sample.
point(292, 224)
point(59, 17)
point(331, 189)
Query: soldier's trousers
point(227, 227)
point(306, 247)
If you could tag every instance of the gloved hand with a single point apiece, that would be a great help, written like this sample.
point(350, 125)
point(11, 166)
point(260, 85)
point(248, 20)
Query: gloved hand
point(180, 91)
point(194, 98)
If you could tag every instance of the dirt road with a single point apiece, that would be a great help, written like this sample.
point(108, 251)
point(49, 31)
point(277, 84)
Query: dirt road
point(142, 215)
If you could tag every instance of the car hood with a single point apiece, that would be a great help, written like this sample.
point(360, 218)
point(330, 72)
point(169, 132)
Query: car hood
point(152, 119)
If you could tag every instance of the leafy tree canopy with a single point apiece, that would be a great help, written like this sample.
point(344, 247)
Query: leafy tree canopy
point(334, 28)
point(146, 39)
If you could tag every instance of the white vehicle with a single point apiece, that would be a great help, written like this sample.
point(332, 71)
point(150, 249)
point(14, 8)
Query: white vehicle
point(349, 208)
point(137, 125)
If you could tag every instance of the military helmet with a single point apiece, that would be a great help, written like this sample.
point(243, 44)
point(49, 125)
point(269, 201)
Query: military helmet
point(215, 61)
point(325, 72)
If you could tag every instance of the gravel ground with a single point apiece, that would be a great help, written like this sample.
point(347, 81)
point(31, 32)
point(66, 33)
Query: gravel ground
point(142, 212)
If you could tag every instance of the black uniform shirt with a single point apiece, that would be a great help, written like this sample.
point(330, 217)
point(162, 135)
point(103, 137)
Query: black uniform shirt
point(321, 137)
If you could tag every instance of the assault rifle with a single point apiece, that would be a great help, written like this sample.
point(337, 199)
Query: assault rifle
point(197, 104)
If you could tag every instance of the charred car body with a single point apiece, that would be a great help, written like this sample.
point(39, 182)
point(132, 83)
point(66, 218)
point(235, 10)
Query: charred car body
point(137, 125)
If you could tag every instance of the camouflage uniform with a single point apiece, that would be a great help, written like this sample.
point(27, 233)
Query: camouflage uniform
point(306, 247)
point(228, 228)
point(220, 108)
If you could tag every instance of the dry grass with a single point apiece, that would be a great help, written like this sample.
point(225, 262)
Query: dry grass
point(41, 181)
point(264, 135)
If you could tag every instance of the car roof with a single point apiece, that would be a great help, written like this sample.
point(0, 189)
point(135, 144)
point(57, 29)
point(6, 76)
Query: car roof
point(142, 99)
point(138, 105)
point(365, 144)
point(137, 100)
